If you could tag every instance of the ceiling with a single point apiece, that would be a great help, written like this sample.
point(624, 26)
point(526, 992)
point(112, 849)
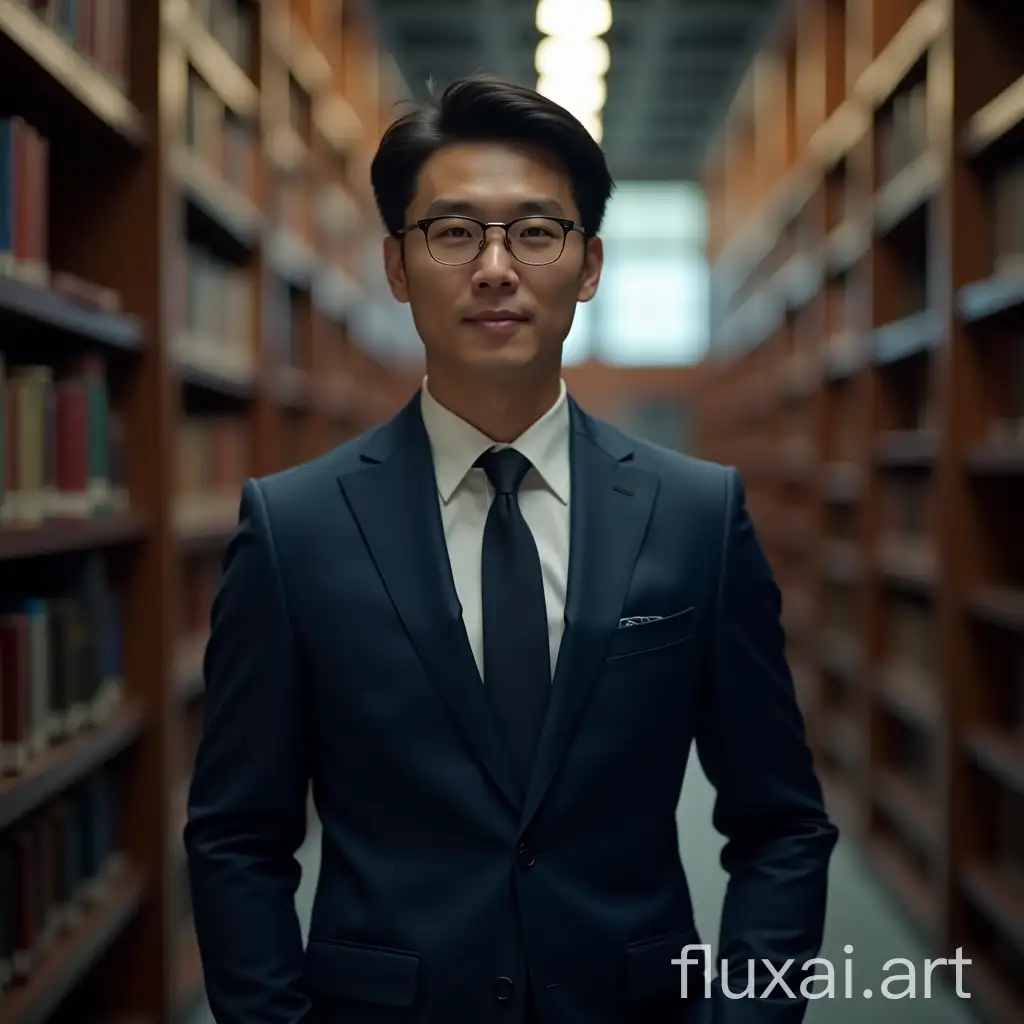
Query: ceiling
point(675, 65)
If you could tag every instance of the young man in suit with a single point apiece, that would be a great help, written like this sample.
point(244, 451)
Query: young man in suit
point(488, 632)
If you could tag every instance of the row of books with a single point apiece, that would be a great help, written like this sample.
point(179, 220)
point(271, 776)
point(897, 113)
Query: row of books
point(222, 141)
point(232, 24)
point(903, 136)
point(219, 315)
point(53, 867)
point(62, 447)
point(24, 201)
point(214, 459)
point(96, 29)
point(61, 444)
point(61, 665)
point(1008, 217)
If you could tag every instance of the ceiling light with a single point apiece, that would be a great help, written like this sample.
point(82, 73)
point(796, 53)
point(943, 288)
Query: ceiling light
point(577, 94)
point(574, 18)
point(561, 55)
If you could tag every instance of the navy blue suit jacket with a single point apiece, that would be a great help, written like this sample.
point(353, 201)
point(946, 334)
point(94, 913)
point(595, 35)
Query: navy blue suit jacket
point(338, 657)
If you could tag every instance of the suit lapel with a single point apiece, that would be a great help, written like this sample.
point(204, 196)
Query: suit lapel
point(393, 496)
point(611, 505)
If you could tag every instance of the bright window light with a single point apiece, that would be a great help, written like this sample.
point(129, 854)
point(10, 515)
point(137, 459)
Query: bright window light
point(574, 18)
point(578, 94)
point(561, 55)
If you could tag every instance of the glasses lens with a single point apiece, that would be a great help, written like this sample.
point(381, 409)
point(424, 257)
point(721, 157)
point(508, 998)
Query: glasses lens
point(536, 240)
point(453, 241)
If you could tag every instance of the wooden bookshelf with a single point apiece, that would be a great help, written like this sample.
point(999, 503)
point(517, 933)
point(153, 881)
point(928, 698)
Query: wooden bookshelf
point(180, 302)
point(883, 140)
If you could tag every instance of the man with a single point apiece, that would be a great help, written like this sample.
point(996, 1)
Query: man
point(487, 632)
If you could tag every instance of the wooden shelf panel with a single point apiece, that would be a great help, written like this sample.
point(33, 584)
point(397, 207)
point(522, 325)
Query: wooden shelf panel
point(996, 119)
point(910, 336)
point(998, 606)
point(908, 191)
point(74, 954)
point(62, 536)
point(71, 72)
point(1001, 756)
point(992, 296)
point(908, 449)
point(997, 459)
point(918, 33)
point(908, 568)
point(842, 654)
point(62, 766)
point(28, 304)
point(910, 698)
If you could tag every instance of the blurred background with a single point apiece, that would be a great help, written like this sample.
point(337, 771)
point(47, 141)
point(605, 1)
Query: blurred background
point(815, 273)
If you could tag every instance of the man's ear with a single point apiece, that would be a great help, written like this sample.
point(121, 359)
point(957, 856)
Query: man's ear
point(394, 267)
point(593, 263)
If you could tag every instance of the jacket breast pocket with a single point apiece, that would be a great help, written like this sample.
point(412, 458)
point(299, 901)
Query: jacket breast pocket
point(629, 641)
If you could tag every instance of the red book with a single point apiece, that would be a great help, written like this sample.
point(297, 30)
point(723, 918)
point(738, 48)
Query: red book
point(73, 448)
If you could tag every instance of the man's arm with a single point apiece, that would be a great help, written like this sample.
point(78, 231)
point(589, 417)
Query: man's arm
point(247, 802)
point(769, 807)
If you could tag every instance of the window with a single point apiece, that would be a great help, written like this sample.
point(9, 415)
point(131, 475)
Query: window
point(652, 306)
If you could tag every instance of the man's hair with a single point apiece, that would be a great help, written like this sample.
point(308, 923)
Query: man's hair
point(483, 109)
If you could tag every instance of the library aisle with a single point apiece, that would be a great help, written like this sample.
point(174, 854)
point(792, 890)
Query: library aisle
point(860, 915)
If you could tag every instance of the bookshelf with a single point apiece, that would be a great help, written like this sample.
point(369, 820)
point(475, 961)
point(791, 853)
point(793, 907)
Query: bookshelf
point(867, 376)
point(184, 215)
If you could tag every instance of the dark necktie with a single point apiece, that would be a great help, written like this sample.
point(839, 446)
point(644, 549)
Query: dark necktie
point(517, 659)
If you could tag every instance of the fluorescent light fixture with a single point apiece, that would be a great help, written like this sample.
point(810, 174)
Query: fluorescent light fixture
point(580, 95)
point(560, 56)
point(574, 18)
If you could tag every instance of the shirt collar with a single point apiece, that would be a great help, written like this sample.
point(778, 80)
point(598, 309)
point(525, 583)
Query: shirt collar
point(456, 445)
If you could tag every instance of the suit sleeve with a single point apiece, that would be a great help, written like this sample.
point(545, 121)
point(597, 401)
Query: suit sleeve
point(247, 801)
point(769, 807)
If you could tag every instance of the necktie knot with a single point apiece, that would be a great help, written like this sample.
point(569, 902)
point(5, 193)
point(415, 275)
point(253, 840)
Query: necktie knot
point(505, 469)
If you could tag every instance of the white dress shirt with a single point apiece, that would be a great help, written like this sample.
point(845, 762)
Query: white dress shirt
point(465, 495)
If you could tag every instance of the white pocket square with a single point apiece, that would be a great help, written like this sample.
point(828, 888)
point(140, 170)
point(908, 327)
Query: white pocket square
point(638, 620)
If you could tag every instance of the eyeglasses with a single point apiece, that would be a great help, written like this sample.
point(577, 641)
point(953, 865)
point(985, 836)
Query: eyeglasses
point(454, 241)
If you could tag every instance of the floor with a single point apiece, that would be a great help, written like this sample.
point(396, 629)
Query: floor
point(859, 916)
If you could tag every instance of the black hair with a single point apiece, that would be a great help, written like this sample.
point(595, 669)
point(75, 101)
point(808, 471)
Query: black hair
point(482, 108)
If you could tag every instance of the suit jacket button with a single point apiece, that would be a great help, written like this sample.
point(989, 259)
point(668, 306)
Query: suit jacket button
point(504, 989)
point(526, 856)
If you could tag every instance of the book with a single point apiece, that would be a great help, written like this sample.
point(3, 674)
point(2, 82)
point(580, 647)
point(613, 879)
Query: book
point(61, 665)
point(63, 444)
point(53, 866)
point(24, 201)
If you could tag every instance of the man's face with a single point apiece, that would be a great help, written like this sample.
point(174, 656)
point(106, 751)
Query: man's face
point(454, 306)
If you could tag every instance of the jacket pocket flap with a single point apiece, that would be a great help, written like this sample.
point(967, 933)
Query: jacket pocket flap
point(650, 636)
point(372, 974)
point(650, 971)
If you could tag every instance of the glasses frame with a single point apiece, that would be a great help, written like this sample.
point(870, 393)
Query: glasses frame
point(567, 225)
